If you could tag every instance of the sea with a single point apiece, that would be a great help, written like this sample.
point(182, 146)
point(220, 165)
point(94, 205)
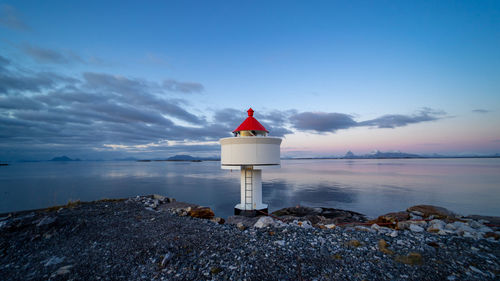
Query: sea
point(368, 186)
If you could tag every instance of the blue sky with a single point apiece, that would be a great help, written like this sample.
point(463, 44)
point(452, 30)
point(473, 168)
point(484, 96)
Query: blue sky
point(106, 79)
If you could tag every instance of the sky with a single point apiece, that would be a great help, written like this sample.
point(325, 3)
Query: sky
point(152, 79)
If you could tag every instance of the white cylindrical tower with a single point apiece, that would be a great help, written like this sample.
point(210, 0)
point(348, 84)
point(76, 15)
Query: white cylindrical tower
point(250, 150)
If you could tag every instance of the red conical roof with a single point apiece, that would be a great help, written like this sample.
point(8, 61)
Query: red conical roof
point(250, 124)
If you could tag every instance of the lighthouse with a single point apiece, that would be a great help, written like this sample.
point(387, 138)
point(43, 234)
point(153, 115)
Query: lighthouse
point(251, 150)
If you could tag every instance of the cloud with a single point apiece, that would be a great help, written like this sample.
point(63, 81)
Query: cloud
point(322, 122)
point(400, 120)
point(10, 18)
point(481, 111)
point(139, 92)
point(95, 113)
point(63, 57)
point(182, 87)
point(13, 81)
point(66, 114)
point(44, 55)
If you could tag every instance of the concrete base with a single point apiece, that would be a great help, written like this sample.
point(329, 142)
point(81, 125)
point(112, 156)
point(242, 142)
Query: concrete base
point(250, 213)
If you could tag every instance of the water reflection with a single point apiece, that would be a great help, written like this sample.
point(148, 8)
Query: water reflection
point(371, 187)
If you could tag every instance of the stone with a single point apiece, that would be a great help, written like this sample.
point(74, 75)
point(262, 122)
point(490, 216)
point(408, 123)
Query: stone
point(435, 226)
point(464, 229)
point(304, 224)
point(215, 270)
point(484, 229)
point(402, 225)
point(363, 228)
point(240, 226)
point(354, 243)
point(382, 246)
point(394, 234)
point(160, 198)
point(391, 219)
point(415, 217)
point(474, 224)
point(62, 270)
point(46, 221)
point(430, 210)
point(330, 226)
point(411, 259)
point(319, 215)
point(416, 228)
point(420, 223)
point(280, 243)
point(53, 260)
point(218, 220)
point(417, 213)
point(476, 270)
point(264, 222)
point(492, 234)
point(201, 213)
point(165, 259)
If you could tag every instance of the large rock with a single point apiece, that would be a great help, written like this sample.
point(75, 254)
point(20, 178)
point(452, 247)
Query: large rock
point(391, 219)
point(416, 228)
point(201, 212)
point(429, 210)
point(264, 222)
point(436, 226)
point(319, 216)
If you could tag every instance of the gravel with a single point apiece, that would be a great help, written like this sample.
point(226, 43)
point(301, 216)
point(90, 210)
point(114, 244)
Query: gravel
point(138, 239)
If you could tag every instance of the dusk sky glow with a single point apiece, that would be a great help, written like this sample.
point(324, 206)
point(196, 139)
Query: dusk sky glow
point(151, 79)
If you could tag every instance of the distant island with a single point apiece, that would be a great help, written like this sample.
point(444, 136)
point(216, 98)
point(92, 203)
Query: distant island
point(181, 157)
point(379, 154)
point(395, 155)
point(63, 159)
point(349, 155)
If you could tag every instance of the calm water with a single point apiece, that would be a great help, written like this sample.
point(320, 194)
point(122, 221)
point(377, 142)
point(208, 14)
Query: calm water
point(372, 187)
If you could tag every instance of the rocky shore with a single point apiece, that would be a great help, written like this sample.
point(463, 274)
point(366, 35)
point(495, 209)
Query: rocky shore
point(157, 238)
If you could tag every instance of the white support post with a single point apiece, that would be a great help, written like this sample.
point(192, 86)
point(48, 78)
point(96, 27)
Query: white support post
point(251, 190)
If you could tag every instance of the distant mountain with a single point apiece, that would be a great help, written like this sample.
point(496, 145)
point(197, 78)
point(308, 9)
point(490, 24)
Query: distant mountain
point(64, 159)
point(182, 158)
point(380, 155)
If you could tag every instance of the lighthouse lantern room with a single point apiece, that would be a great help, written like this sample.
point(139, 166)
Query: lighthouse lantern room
point(250, 151)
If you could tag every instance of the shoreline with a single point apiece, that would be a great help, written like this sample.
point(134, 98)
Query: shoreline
point(156, 238)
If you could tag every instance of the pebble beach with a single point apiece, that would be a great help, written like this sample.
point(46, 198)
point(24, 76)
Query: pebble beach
point(157, 238)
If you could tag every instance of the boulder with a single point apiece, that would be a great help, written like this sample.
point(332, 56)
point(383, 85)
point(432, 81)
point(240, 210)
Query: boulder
point(264, 222)
point(416, 228)
point(319, 215)
point(160, 198)
point(435, 226)
point(218, 220)
point(201, 213)
point(391, 219)
point(430, 210)
point(402, 225)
